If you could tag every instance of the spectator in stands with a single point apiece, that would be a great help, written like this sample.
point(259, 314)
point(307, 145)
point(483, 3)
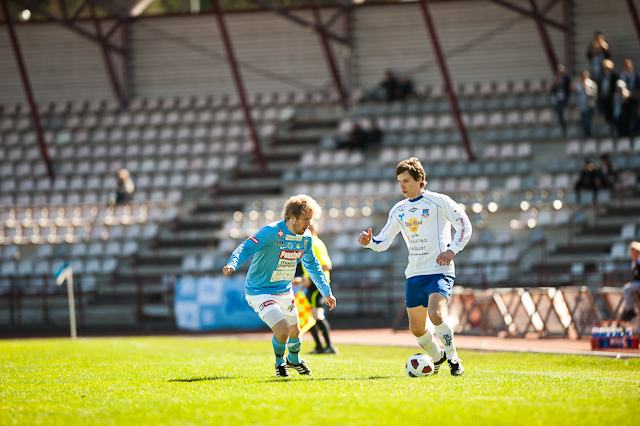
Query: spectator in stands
point(357, 139)
point(587, 91)
point(630, 289)
point(588, 179)
point(606, 90)
point(405, 89)
point(122, 190)
point(608, 172)
point(389, 86)
point(597, 52)
point(374, 136)
point(622, 109)
point(560, 90)
point(632, 80)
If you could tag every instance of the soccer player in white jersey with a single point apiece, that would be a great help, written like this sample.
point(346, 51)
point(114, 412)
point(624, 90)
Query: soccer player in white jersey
point(424, 218)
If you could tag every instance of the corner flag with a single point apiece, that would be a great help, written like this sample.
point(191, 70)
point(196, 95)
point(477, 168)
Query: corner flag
point(66, 273)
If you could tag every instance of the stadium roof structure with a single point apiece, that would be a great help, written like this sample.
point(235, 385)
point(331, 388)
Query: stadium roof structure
point(124, 11)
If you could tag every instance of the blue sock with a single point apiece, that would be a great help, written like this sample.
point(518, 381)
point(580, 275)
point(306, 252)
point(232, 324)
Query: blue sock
point(278, 349)
point(294, 346)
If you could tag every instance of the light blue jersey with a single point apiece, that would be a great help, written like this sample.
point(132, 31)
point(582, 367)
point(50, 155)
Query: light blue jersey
point(276, 252)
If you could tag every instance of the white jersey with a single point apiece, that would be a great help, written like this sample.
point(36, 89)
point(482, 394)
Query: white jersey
point(425, 223)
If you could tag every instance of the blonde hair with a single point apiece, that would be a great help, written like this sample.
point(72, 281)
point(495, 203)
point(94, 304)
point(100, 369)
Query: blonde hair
point(634, 246)
point(300, 204)
point(415, 169)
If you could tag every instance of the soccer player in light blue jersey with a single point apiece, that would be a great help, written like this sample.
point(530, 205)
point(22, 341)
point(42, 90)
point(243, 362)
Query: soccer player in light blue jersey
point(276, 249)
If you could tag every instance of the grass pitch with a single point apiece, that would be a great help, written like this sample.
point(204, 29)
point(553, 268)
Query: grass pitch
point(176, 380)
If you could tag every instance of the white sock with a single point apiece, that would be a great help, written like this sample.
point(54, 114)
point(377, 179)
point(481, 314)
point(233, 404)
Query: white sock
point(445, 334)
point(429, 344)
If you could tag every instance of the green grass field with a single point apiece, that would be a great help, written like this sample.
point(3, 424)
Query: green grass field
point(215, 381)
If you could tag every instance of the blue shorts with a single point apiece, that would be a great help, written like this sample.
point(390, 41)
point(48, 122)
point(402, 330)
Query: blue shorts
point(419, 288)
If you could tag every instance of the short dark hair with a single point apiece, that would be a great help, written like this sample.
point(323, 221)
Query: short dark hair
point(415, 169)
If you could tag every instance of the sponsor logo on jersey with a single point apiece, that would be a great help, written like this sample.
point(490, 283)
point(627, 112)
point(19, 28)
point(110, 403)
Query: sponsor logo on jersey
point(279, 243)
point(280, 233)
point(286, 264)
point(290, 245)
point(413, 224)
point(305, 243)
point(282, 275)
point(293, 238)
point(413, 209)
point(401, 216)
point(297, 246)
point(425, 212)
point(267, 303)
point(290, 254)
point(254, 239)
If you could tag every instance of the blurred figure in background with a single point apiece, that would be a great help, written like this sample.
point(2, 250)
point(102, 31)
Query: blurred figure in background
point(122, 190)
point(357, 138)
point(608, 172)
point(560, 91)
point(632, 80)
point(587, 91)
point(588, 179)
point(622, 109)
point(405, 89)
point(374, 136)
point(597, 52)
point(631, 288)
point(314, 296)
point(606, 90)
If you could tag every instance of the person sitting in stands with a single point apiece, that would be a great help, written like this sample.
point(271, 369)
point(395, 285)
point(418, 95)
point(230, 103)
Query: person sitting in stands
point(122, 190)
point(608, 172)
point(588, 179)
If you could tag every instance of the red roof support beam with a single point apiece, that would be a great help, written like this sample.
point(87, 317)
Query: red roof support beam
point(300, 21)
point(331, 61)
point(27, 88)
point(237, 79)
point(546, 42)
point(70, 23)
point(442, 64)
point(568, 35)
point(106, 56)
point(533, 14)
point(633, 11)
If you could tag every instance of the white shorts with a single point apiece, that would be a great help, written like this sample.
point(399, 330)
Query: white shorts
point(265, 303)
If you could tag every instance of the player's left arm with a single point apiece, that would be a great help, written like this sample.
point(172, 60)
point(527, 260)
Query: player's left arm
point(461, 223)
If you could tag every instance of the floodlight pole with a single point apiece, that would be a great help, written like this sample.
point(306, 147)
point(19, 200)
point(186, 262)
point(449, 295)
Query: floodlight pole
point(237, 79)
point(442, 64)
point(35, 116)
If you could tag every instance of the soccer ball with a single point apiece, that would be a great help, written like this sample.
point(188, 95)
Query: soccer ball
point(419, 365)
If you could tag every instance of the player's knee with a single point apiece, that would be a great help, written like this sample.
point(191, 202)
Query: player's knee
point(417, 330)
point(318, 313)
point(436, 317)
point(294, 331)
point(281, 331)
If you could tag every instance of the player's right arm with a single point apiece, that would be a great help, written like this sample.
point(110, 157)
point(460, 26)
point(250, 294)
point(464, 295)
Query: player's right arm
point(247, 249)
point(383, 240)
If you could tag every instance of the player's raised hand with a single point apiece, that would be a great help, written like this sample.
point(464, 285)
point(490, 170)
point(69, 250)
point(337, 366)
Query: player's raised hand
point(227, 270)
point(331, 302)
point(365, 237)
